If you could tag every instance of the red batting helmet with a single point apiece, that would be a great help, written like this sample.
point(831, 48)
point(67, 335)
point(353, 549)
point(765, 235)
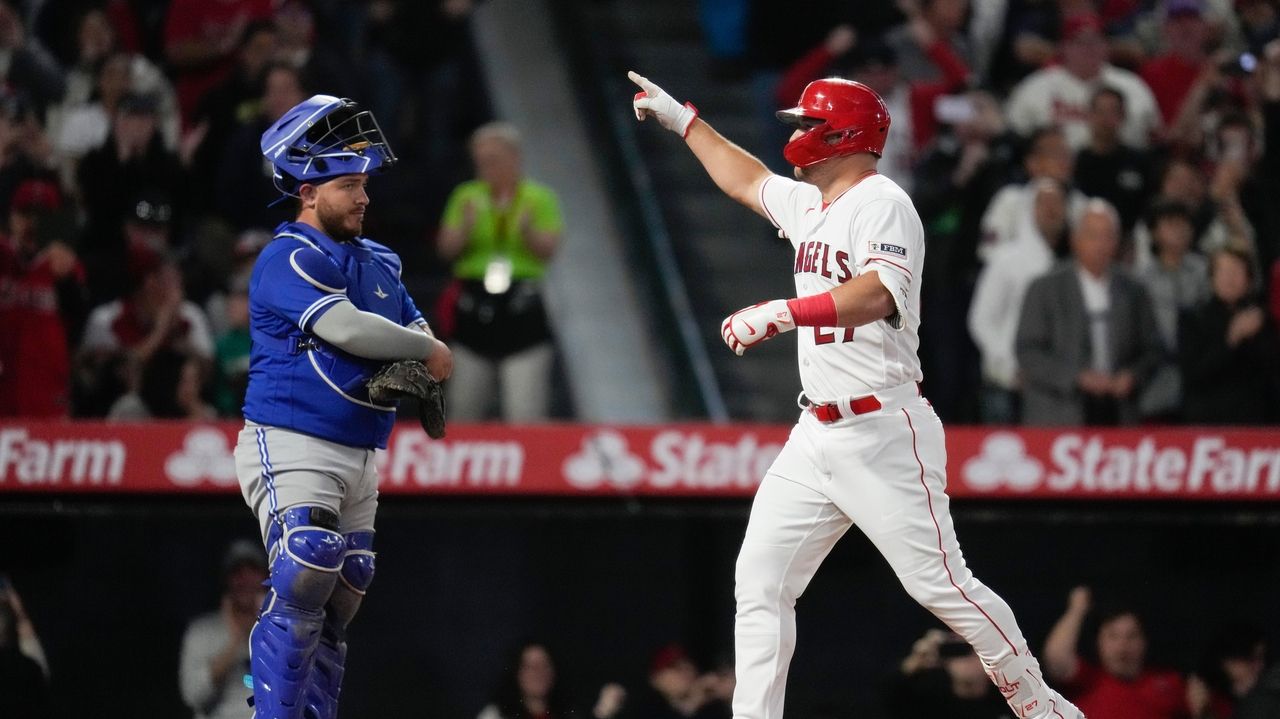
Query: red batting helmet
point(840, 117)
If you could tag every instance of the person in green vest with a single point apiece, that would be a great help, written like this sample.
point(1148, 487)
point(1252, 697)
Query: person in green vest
point(500, 230)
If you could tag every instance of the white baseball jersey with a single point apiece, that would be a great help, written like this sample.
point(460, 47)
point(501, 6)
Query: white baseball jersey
point(871, 226)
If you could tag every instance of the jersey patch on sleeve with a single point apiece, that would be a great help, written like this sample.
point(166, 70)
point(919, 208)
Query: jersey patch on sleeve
point(887, 249)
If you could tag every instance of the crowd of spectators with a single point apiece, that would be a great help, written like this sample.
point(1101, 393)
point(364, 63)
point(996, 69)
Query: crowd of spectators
point(134, 197)
point(1081, 167)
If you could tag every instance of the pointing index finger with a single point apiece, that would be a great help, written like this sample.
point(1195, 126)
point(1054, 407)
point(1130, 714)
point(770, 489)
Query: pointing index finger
point(643, 82)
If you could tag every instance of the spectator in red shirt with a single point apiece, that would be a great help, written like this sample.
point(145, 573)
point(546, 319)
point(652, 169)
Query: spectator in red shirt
point(42, 295)
point(1171, 74)
point(1120, 685)
point(200, 40)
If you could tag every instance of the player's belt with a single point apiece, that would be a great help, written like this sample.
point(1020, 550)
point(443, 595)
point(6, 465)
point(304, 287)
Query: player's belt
point(828, 412)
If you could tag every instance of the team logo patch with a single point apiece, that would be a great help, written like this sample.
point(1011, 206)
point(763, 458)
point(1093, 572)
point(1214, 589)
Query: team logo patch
point(889, 249)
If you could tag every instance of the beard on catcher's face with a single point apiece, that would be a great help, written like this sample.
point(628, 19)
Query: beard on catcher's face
point(341, 223)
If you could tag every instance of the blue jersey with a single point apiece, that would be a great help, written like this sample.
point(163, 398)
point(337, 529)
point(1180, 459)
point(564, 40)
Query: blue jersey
point(297, 380)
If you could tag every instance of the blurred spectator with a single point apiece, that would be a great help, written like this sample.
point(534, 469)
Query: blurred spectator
point(24, 674)
point(911, 103)
point(1259, 22)
point(1183, 182)
point(296, 37)
point(1011, 213)
point(79, 123)
point(43, 301)
point(169, 386)
point(1108, 168)
point(231, 351)
point(1229, 672)
point(244, 252)
point(1060, 94)
point(215, 648)
point(79, 127)
point(1177, 282)
point(718, 686)
point(1087, 340)
point(1230, 350)
point(245, 194)
point(121, 336)
point(1245, 184)
point(530, 690)
point(27, 68)
point(675, 690)
point(200, 39)
point(997, 299)
point(944, 22)
point(132, 159)
point(1264, 701)
point(955, 181)
point(228, 104)
point(58, 24)
point(404, 71)
point(500, 231)
point(142, 229)
point(25, 150)
point(942, 677)
point(1171, 74)
point(1120, 685)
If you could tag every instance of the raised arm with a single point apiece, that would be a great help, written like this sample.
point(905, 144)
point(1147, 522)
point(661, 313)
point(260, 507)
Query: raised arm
point(734, 170)
point(1061, 661)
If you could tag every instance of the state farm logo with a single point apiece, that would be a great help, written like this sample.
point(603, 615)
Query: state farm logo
point(35, 461)
point(413, 459)
point(205, 456)
point(674, 459)
point(1135, 465)
point(1003, 461)
point(604, 457)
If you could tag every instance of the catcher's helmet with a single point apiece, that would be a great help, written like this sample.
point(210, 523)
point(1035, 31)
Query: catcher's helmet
point(840, 117)
point(321, 138)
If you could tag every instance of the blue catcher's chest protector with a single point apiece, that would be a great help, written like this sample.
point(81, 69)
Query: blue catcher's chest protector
point(297, 380)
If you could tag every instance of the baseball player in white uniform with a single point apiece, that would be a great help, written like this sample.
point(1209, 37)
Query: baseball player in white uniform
point(867, 449)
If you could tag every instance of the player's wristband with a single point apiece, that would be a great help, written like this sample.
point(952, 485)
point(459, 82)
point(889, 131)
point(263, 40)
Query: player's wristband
point(814, 311)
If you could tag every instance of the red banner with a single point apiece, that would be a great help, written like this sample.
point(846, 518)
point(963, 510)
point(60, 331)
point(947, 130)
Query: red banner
point(688, 460)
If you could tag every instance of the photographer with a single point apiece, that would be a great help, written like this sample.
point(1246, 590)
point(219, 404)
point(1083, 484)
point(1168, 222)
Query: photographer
point(942, 677)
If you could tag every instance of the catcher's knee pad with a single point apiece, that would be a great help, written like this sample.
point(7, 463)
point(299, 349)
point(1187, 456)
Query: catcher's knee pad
point(308, 555)
point(357, 563)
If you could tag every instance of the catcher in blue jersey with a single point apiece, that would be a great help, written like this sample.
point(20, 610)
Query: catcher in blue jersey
point(328, 314)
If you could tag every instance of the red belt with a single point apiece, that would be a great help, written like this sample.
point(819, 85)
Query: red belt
point(828, 413)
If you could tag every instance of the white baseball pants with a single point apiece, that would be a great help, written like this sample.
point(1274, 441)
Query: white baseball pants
point(885, 472)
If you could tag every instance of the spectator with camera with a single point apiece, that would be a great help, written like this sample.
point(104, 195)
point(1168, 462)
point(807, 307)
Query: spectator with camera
point(942, 677)
point(500, 231)
point(1120, 685)
point(215, 648)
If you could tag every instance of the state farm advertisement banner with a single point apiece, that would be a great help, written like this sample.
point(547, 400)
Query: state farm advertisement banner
point(687, 460)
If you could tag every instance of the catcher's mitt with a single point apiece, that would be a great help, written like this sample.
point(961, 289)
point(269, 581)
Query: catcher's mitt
point(409, 378)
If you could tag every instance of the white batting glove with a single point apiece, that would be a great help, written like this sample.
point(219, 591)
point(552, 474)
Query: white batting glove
point(654, 101)
point(752, 325)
